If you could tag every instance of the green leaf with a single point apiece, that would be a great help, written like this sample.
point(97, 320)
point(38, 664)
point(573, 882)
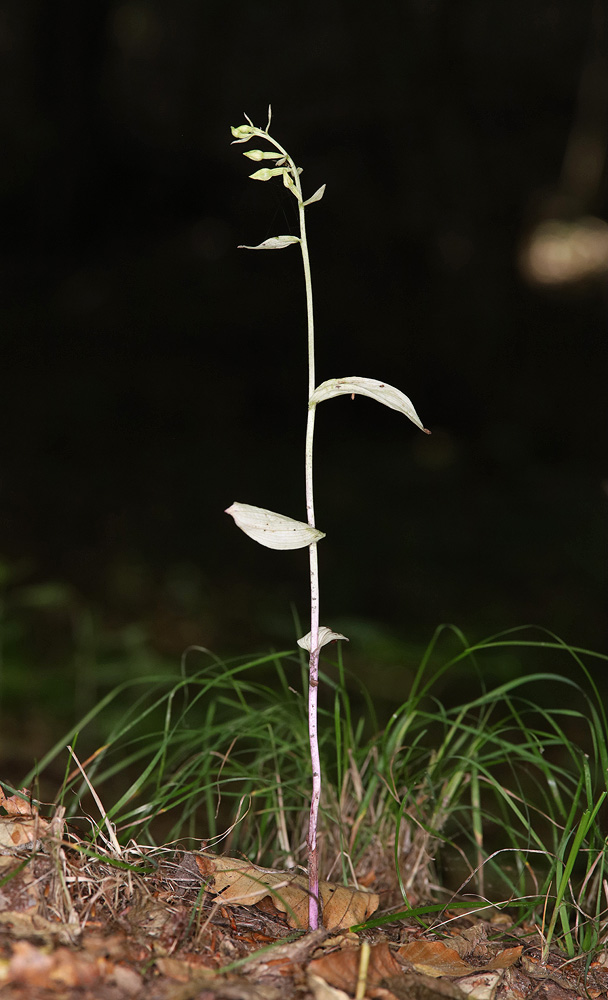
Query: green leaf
point(275, 531)
point(380, 391)
point(274, 243)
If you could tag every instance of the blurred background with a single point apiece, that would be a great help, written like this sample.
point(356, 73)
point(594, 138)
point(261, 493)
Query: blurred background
point(152, 373)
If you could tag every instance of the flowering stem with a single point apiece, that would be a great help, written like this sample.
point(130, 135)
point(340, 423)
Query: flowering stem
point(292, 178)
point(313, 663)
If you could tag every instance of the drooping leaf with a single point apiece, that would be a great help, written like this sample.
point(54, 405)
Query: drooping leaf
point(380, 391)
point(325, 635)
point(274, 243)
point(316, 196)
point(275, 531)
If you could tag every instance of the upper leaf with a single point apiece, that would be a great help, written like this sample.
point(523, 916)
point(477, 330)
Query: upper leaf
point(275, 531)
point(274, 243)
point(380, 391)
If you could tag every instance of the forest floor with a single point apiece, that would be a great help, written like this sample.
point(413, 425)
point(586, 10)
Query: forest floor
point(125, 923)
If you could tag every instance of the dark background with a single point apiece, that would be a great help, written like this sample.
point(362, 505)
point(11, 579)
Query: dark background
point(152, 373)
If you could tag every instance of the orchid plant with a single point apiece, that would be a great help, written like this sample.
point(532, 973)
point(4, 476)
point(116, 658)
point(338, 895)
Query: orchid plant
point(276, 531)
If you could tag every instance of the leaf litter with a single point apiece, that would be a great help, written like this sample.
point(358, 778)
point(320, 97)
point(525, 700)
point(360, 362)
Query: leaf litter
point(76, 920)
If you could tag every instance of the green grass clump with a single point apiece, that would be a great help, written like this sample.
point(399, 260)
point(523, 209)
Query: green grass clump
point(510, 789)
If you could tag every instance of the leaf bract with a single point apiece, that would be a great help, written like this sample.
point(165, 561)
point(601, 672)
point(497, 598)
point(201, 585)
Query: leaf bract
point(325, 635)
point(316, 196)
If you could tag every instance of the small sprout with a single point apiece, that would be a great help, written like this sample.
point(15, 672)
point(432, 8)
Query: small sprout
point(380, 391)
point(316, 196)
point(325, 635)
point(275, 531)
point(274, 243)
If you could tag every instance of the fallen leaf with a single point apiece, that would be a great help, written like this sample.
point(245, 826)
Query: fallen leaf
point(183, 969)
point(35, 926)
point(434, 958)
point(127, 980)
point(415, 986)
point(322, 990)
point(505, 959)
point(15, 834)
point(62, 968)
point(239, 882)
point(16, 805)
point(469, 938)
point(480, 986)
point(341, 968)
point(22, 826)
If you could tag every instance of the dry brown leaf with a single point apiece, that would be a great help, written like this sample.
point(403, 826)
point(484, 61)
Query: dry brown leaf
point(239, 882)
point(183, 969)
point(466, 941)
point(341, 968)
point(33, 925)
point(19, 833)
point(434, 958)
point(323, 991)
point(15, 805)
point(32, 966)
point(22, 826)
point(504, 959)
point(481, 985)
point(415, 986)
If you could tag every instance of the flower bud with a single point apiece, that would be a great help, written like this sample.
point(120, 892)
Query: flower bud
point(265, 173)
point(242, 132)
point(260, 154)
